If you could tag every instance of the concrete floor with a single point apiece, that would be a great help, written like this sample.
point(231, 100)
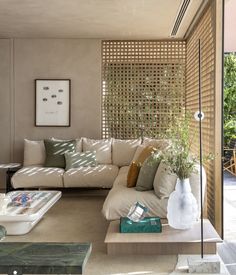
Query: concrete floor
point(229, 207)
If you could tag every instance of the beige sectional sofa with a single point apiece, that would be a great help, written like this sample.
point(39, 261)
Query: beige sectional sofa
point(113, 157)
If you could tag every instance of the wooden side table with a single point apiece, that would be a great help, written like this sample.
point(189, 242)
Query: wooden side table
point(10, 169)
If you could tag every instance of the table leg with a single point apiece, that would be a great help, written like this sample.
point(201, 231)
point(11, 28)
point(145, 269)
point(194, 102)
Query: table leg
point(9, 174)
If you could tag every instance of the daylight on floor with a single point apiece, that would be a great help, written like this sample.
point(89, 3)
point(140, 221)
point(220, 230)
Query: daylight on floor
point(118, 137)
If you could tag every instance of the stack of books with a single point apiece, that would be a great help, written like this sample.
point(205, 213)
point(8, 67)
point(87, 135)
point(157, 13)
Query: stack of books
point(147, 225)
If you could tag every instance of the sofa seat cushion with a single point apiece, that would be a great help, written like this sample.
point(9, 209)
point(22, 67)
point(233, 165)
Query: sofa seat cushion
point(121, 198)
point(33, 176)
point(101, 176)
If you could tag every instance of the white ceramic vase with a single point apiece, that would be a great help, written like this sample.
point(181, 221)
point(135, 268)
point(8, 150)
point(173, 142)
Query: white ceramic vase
point(182, 209)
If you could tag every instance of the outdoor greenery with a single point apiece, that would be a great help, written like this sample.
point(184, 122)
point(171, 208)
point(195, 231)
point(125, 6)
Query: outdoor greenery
point(229, 98)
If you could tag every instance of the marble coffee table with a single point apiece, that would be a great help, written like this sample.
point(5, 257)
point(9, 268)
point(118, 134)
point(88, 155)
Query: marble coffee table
point(43, 258)
point(19, 219)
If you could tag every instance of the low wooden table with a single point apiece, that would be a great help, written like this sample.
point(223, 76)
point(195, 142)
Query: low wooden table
point(170, 241)
point(43, 258)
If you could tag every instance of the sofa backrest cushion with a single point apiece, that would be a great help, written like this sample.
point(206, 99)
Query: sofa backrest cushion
point(159, 144)
point(123, 151)
point(55, 152)
point(34, 153)
point(101, 147)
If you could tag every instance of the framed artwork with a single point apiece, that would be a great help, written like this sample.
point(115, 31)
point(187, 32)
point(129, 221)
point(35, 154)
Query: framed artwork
point(52, 102)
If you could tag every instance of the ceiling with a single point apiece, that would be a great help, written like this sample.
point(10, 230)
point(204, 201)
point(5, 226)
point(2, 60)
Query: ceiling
point(104, 19)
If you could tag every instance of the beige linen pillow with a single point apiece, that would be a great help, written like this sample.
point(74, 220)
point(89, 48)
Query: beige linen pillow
point(34, 152)
point(160, 144)
point(123, 151)
point(164, 181)
point(101, 147)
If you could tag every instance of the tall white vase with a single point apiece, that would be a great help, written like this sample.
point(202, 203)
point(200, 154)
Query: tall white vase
point(182, 209)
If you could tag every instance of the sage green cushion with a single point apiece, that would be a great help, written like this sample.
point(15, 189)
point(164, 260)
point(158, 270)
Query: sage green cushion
point(85, 159)
point(147, 173)
point(164, 181)
point(55, 152)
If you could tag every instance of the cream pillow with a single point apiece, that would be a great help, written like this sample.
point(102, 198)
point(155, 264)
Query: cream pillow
point(34, 152)
point(123, 151)
point(101, 147)
point(164, 181)
point(160, 144)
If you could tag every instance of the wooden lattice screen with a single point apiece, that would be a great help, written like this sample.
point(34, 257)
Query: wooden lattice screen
point(205, 30)
point(143, 86)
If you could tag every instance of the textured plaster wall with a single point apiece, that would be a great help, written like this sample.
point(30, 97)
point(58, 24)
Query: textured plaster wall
point(230, 26)
point(5, 104)
point(76, 59)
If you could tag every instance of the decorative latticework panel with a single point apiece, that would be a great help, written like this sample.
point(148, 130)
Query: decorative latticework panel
point(143, 86)
point(205, 32)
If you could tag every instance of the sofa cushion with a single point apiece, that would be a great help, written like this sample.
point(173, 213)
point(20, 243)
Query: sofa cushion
point(102, 148)
point(136, 165)
point(77, 159)
point(34, 152)
point(55, 150)
point(133, 174)
point(121, 198)
point(30, 177)
point(78, 143)
point(123, 151)
point(159, 144)
point(101, 176)
point(164, 182)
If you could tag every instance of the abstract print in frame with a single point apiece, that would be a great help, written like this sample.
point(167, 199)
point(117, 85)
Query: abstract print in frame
point(52, 102)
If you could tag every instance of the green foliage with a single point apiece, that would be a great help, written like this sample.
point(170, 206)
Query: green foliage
point(229, 98)
point(178, 156)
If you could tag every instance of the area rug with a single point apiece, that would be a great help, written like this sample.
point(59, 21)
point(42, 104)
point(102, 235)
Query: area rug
point(77, 217)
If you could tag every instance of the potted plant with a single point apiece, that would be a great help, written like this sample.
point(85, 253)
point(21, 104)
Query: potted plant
point(182, 208)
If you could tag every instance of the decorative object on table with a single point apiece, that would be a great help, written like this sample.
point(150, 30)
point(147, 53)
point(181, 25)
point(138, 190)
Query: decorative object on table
point(182, 209)
point(3, 232)
point(23, 199)
point(4, 201)
point(10, 168)
point(44, 258)
point(146, 225)
point(52, 104)
point(137, 212)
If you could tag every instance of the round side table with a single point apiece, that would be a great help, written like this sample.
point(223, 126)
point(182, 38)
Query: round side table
point(10, 169)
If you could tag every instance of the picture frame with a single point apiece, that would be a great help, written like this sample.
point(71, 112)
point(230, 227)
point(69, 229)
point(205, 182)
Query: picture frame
point(52, 102)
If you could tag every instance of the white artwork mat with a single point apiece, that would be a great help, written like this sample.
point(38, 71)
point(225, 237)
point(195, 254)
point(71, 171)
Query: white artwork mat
point(52, 102)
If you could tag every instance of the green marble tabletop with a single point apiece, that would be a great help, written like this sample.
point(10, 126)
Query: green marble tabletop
point(43, 258)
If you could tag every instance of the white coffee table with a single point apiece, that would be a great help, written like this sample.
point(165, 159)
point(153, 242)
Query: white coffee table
point(19, 220)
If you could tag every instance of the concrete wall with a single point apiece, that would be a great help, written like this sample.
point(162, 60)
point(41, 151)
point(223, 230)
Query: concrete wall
point(230, 26)
point(22, 61)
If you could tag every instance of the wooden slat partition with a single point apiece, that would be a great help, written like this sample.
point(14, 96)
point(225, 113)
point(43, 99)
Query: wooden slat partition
point(143, 86)
point(205, 31)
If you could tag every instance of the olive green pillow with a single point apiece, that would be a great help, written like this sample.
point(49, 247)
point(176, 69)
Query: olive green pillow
point(55, 152)
point(147, 173)
point(76, 160)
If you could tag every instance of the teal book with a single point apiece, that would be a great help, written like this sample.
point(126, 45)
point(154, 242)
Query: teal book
point(147, 225)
